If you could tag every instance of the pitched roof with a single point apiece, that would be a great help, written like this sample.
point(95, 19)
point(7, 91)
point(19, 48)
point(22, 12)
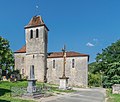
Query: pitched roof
point(56, 54)
point(22, 50)
point(68, 54)
point(36, 21)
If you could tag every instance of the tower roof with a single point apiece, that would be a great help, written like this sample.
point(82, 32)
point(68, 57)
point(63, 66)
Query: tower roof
point(36, 21)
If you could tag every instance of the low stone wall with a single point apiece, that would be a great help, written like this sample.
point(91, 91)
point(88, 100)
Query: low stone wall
point(116, 89)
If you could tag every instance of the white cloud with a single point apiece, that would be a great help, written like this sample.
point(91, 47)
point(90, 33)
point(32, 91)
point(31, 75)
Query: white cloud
point(37, 6)
point(95, 39)
point(90, 44)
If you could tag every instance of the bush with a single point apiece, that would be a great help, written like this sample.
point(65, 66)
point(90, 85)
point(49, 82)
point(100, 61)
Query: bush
point(94, 80)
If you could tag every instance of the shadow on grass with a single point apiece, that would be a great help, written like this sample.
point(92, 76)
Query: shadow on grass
point(4, 101)
point(3, 91)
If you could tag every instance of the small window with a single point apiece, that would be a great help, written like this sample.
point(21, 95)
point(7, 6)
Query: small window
point(22, 71)
point(73, 63)
point(33, 56)
point(31, 34)
point(37, 33)
point(53, 63)
point(22, 59)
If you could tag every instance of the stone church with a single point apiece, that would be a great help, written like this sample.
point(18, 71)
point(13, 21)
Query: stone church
point(48, 66)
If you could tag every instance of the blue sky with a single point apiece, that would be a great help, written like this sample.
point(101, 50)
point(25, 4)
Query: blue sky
point(85, 26)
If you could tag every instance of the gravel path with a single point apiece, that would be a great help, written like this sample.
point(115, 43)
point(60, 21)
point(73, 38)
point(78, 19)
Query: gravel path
point(82, 95)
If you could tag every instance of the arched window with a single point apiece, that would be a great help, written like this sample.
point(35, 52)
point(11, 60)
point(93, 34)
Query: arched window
point(31, 34)
point(73, 63)
point(53, 63)
point(37, 33)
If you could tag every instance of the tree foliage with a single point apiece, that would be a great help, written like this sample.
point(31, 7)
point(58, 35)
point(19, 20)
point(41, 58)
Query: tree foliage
point(108, 64)
point(6, 55)
point(94, 79)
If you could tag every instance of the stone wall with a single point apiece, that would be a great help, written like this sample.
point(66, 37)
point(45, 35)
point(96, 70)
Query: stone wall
point(36, 45)
point(78, 76)
point(38, 61)
point(20, 62)
point(36, 52)
point(116, 89)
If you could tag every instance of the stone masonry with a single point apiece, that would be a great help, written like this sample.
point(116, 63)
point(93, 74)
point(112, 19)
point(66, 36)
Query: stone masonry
point(48, 66)
point(78, 76)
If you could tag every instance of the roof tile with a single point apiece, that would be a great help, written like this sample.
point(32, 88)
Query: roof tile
point(68, 54)
point(36, 21)
point(22, 50)
point(56, 54)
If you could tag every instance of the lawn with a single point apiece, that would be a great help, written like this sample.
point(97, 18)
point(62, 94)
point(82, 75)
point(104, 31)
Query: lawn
point(112, 97)
point(5, 92)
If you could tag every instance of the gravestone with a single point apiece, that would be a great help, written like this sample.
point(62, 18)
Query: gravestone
point(4, 75)
point(116, 89)
point(4, 78)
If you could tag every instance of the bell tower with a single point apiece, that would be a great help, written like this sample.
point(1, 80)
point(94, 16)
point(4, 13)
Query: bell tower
point(36, 47)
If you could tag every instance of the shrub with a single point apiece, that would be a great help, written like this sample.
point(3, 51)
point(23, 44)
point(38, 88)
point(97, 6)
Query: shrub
point(94, 80)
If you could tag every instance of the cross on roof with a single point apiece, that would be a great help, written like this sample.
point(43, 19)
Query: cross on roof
point(37, 7)
point(64, 48)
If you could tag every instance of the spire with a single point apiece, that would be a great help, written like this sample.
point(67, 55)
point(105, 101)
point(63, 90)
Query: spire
point(36, 20)
point(37, 7)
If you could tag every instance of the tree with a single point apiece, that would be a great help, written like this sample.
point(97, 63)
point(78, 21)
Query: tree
point(6, 55)
point(92, 67)
point(94, 78)
point(108, 64)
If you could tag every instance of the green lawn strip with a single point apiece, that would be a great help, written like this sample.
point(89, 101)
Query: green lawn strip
point(5, 87)
point(5, 91)
point(112, 97)
point(55, 89)
point(11, 99)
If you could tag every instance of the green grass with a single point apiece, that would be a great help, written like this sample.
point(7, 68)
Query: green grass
point(55, 89)
point(5, 90)
point(58, 91)
point(112, 97)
